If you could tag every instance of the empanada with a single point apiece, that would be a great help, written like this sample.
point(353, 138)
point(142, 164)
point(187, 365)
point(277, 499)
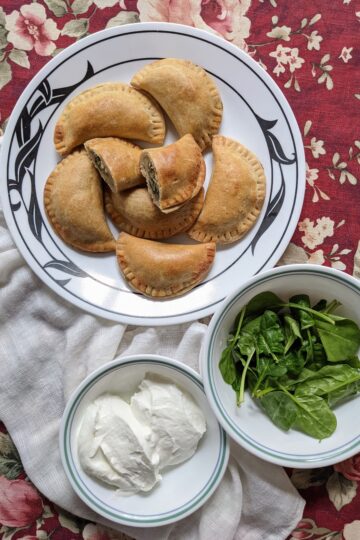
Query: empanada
point(117, 161)
point(163, 270)
point(235, 194)
point(134, 212)
point(110, 109)
point(187, 94)
point(174, 173)
point(73, 201)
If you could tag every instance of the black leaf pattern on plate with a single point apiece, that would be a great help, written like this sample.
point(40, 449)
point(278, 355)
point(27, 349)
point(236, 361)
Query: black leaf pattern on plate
point(25, 164)
point(26, 155)
point(278, 156)
point(62, 282)
point(58, 95)
point(66, 266)
point(273, 144)
point(35, 219)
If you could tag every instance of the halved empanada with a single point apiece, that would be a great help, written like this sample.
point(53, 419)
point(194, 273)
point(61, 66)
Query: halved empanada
point(134, 212)
point(73, 201)
point(111, 109)
point(174, 173)
point(235, 195)
point(163, 270)
point(117, 161)
point(187, 94)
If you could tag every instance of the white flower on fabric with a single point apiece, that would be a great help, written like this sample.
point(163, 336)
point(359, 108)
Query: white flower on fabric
point(339, 265)
point(314, 41)
point(315, 235)
point(306, 225)
point(281, 54)
point(280, 32)
point(295, 61)
point(279, 68)
point(346, 54)
point(311, 175)
point(311, 239)
point(317, 147)
point(30, 29)
point(325, 226)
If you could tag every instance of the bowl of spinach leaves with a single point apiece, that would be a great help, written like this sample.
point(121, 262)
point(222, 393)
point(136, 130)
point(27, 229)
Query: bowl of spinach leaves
point(281, 366)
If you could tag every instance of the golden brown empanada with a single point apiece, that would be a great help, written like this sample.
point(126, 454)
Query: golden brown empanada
point(73, 201)
point(117, 161)
point(187, 94)
point(134, 212)
point(235, 194)
point(163, 270)
point(110, 109)
point(174, 173)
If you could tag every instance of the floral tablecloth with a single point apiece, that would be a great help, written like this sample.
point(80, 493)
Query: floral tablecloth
point(312, 50)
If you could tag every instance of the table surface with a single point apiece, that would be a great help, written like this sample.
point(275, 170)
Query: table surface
point(311, 49)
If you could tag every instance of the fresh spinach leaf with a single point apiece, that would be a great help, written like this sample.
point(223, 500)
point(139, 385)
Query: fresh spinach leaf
point(343, 393)
point(247, 342)
point(263, 301)
point(320, 305)
point(328, 379)
point(227, 365)
point(334, 304)
point(271, 337)
point(296, 359)
point(353, 361)
point(294, 362)
point(292, 331)
point(315, 418)
point(341, 340)
point(280, 408)
point(304, 317)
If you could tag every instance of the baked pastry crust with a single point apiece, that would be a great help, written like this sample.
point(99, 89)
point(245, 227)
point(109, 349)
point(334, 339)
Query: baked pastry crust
point(112, 109)
point(235, 194)
point(117, 161)
point(134, 212)
point(174, 173)
point(162, 270)
point(73, 201)
point(187, 94)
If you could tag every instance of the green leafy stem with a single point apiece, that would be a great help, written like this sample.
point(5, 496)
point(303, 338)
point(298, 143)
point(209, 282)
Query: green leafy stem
point(298, 360)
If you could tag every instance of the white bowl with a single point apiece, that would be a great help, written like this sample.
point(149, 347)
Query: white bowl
point(184, 488)
point(248, 424)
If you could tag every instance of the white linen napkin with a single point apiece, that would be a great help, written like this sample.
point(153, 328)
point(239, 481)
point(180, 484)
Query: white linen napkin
point(47, 347)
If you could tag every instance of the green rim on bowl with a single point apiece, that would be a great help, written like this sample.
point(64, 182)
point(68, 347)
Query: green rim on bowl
point(233, 428)
point(112, 512)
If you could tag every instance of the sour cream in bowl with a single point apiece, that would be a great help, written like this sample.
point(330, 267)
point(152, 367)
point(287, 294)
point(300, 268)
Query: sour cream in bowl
point(139, 442)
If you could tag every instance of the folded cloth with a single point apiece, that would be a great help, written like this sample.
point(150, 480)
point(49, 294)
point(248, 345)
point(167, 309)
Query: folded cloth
point(47, 347)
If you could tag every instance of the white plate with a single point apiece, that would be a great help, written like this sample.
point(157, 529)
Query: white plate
point(184, 488)
point(255, 113)
point(249, 425)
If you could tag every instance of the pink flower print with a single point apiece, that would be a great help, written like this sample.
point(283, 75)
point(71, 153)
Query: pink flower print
point(350, 468)
point(30, 29)
point(311, 175)
point(222, 17)
point(20, 503)
point(98, 532)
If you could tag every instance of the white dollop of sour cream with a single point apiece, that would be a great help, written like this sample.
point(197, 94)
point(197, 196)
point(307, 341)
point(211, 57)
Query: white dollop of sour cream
point(126, 445)
point(177, 423)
